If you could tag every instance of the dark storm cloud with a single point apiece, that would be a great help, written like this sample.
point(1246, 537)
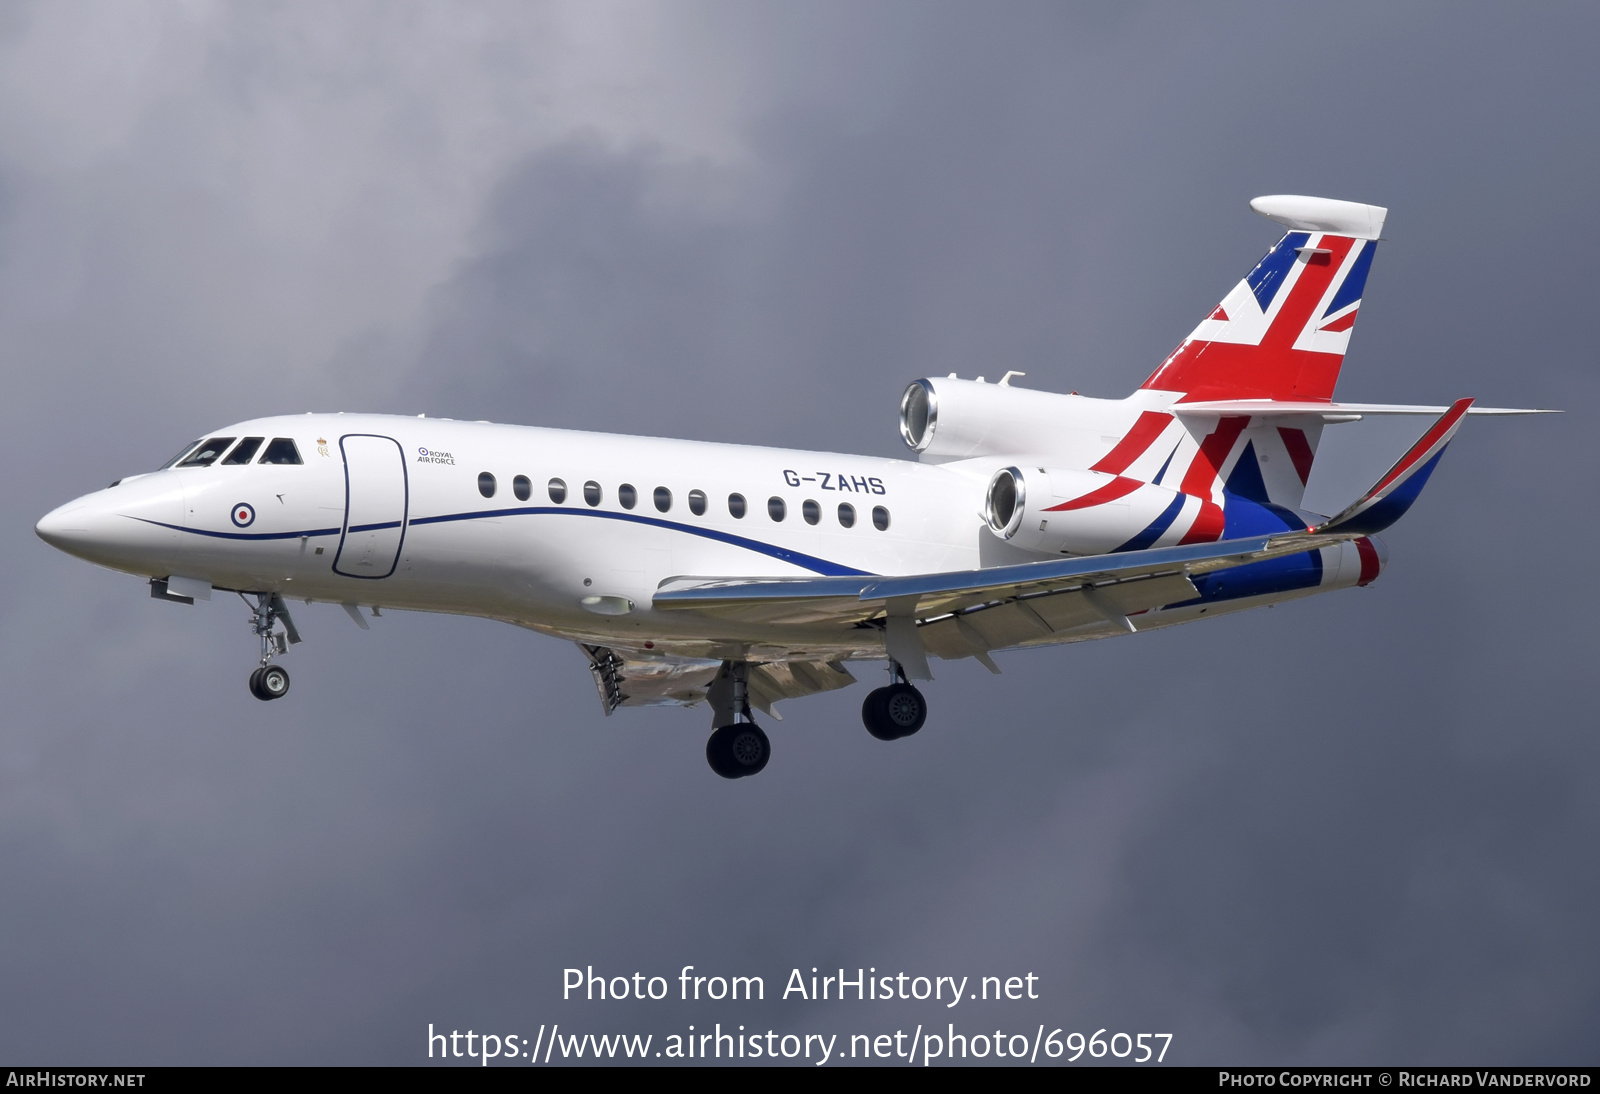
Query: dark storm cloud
point(1351, 829)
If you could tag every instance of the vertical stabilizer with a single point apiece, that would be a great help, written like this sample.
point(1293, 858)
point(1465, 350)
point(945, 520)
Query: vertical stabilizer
point(1283, 330)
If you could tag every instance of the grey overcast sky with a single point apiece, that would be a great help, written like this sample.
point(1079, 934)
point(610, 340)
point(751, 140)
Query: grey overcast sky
point(1359, 828)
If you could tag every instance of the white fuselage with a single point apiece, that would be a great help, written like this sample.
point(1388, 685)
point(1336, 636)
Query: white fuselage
point(388, 511)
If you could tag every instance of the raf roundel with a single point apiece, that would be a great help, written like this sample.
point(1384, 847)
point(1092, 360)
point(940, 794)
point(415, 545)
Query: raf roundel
point(243, 515)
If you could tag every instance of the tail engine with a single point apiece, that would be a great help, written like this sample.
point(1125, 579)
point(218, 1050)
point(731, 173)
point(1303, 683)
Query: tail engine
point(1077, 512)
point(951, 419)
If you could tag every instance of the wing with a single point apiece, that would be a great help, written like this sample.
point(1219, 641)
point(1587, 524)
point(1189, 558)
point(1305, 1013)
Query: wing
point(631, 681)
point(967, 613)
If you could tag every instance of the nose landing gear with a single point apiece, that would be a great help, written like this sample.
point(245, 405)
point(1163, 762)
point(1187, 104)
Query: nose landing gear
point(737, 747)
point(896, 711)
point(270, 681)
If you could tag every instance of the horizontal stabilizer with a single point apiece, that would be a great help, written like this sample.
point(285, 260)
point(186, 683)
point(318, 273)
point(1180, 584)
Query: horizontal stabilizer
point(1281, 408)
point(1393, 494)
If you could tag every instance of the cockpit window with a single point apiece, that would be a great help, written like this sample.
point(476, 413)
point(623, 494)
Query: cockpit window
point(245, 449)
point(182, 452)
point(281, 450)
point(207, 453)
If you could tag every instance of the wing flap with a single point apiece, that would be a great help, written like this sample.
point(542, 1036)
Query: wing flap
point(777, 680)
point(625, 680)
point(1051, 617)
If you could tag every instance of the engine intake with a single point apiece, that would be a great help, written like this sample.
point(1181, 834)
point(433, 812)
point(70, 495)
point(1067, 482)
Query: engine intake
point(952, 419)
point(1075, 512)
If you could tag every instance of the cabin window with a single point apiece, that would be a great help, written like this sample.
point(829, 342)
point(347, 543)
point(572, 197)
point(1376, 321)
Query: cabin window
point(663, 499)
point(627, 495)
point(244, 451)
point(811, 511)
point(880, 518)
point(847, 515)
point(207, 453)
point(697, 502)
point(558, 491)
point(522, 487)
point(486, 484)
point(591, 492)
point(184, 451)
point(281, 450)
point(776, 509)
point(736, 506)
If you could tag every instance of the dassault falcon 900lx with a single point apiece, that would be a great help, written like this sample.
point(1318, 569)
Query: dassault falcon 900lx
point(692, 572)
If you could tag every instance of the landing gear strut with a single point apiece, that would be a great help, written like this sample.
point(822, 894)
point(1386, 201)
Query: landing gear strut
point(896, 711)
point(270, 681)
point(737, 746)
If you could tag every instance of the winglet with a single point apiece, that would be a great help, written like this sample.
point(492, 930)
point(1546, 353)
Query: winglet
point(1388, 501)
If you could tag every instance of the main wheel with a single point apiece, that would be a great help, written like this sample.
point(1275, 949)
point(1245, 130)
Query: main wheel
point(738, 750)
point(873, 716)
point(273, 682)
point(905, 709)
point(894, 712)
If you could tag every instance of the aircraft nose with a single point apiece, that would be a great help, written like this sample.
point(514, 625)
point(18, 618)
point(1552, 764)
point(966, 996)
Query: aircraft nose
point(123, 527)
point(66, 526)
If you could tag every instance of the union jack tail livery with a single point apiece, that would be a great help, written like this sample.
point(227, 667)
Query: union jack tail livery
point(1282, 332)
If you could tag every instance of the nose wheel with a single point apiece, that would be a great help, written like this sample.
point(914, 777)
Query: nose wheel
point(270, 681)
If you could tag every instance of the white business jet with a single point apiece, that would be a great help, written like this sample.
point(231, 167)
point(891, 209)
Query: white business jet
point(693, 572)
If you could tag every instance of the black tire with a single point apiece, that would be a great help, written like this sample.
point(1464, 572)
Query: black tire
point(894, 712)
point(255, 685)
point(904, 709)
point(738, 750)
point(875, 718)
point(717, 754)
point(273, 682)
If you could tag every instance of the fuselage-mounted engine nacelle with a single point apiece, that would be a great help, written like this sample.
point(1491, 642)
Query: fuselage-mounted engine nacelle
point(950, 419)
point(1073, 512)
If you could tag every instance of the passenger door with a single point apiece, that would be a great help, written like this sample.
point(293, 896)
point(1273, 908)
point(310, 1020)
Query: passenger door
point(375, 504)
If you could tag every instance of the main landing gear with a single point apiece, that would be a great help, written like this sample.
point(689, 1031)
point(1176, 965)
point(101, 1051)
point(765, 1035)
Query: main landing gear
point(270, 681)
point(896, 711)
point(737, 746)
